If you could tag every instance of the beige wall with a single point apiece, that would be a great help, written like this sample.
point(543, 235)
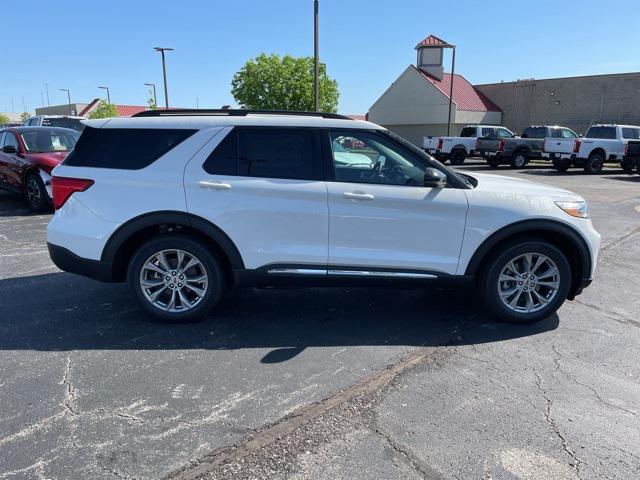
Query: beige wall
point(576, 101)
point(65, 109)
point(415, 133)
point(410, 100)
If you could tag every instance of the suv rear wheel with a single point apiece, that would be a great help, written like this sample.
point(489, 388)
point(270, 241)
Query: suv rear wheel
point(526, 282)
point(175, 278)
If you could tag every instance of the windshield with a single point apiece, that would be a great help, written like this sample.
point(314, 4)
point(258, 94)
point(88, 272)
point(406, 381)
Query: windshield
point(63, 122)
point(40, 141)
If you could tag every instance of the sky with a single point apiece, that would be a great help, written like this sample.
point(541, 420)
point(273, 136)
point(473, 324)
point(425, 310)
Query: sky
point(366, 44)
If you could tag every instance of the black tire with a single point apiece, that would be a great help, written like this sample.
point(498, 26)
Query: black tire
point(628, 165)
point(561, 164)
point(593, 165)
point(37, 196)
point(489, 285)
point(457, 156)
point(519, 160)
point(192, 246)
point(493, 162)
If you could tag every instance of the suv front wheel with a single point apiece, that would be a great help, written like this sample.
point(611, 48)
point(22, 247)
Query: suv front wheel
point(175, 278)
point(526, 282)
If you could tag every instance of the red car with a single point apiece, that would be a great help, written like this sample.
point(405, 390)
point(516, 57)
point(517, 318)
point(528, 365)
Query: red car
point(27, 156)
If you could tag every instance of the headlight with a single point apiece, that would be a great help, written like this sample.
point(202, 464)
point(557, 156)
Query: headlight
point(575, 208)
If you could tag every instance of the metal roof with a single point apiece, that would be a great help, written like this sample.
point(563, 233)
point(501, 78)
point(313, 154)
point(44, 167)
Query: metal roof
point(433, 41)
point(465, 95)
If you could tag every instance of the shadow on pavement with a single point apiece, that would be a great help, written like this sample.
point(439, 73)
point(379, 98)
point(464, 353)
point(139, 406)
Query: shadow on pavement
point(14, 205)
point(60, 312)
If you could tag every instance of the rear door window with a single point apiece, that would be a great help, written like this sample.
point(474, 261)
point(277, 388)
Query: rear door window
point(287, 153)
point(607, 133)
point(128, 149)
point(277, 153)
point(488, 132)
point(534, 132)
point(630, 133)
point(468, 132)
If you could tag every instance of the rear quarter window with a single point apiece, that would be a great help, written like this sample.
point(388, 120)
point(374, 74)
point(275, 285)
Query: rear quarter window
point(126, 149)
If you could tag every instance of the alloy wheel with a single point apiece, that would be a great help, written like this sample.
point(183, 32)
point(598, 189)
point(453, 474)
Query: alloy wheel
point(33, 192)
point(528, 282)
point(174, 280)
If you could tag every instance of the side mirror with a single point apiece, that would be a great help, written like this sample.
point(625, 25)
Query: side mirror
point(9, 149)
point(434, 178)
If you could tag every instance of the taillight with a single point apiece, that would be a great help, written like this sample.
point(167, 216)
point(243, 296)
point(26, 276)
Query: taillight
point(63, 188)
point(626, 149)
point(440, 143)
point(501, 145)
point(576, 146)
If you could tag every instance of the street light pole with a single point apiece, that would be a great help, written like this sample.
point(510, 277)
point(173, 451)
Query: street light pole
point(46, 87)
point(68, 98)
point(453, 73)
point(108, 94)
point(155, 98)
point(164, 73)
point(316, 86)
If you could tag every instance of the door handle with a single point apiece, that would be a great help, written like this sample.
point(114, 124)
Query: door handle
point(358, 196)
point(214, 185)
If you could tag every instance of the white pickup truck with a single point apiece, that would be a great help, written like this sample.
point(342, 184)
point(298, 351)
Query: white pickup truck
point(601, 143)
point(457, 149)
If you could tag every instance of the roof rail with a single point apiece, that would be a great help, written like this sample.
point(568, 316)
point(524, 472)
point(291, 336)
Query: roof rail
point(178, 112)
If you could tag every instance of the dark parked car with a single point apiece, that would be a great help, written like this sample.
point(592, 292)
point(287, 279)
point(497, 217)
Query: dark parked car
point(631, 160)
point(27, 157)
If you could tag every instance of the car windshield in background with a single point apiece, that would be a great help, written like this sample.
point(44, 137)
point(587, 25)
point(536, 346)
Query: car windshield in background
point(602, 132)
point(40, 141)
point(63, 122)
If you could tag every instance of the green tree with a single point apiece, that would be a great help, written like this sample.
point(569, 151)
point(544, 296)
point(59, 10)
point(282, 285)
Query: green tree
point(24, 116)
point(152, 101)
point(4, 119)
point(271, 82)
point(104, 110)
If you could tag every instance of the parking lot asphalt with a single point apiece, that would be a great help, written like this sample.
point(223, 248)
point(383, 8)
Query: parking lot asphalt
point(321, 383)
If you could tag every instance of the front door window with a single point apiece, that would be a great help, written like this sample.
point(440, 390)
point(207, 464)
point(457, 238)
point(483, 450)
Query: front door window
point(363, 157)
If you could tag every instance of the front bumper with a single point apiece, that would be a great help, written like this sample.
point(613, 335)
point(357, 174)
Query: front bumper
point(70, 262)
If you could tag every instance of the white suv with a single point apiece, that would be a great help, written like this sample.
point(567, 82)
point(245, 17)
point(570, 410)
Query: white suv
point(186, 204)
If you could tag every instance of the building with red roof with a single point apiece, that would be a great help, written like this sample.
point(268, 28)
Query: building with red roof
point(417, 102)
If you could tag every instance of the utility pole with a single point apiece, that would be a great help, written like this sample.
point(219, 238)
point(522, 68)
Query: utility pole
point(24, 106)
point(46, 87)
point(155, 98)
point(164, 73)
point(108, 94)
point(42, 99)
point(316, 80)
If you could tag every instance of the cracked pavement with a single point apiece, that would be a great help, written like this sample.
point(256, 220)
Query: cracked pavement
point(321, 383)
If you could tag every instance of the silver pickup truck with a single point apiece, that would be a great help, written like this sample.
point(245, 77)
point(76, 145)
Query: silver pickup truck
point(536, 142)
point(457, 149)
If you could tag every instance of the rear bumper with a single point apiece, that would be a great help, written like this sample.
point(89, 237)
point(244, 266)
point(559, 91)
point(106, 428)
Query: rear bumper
point(70, 262)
